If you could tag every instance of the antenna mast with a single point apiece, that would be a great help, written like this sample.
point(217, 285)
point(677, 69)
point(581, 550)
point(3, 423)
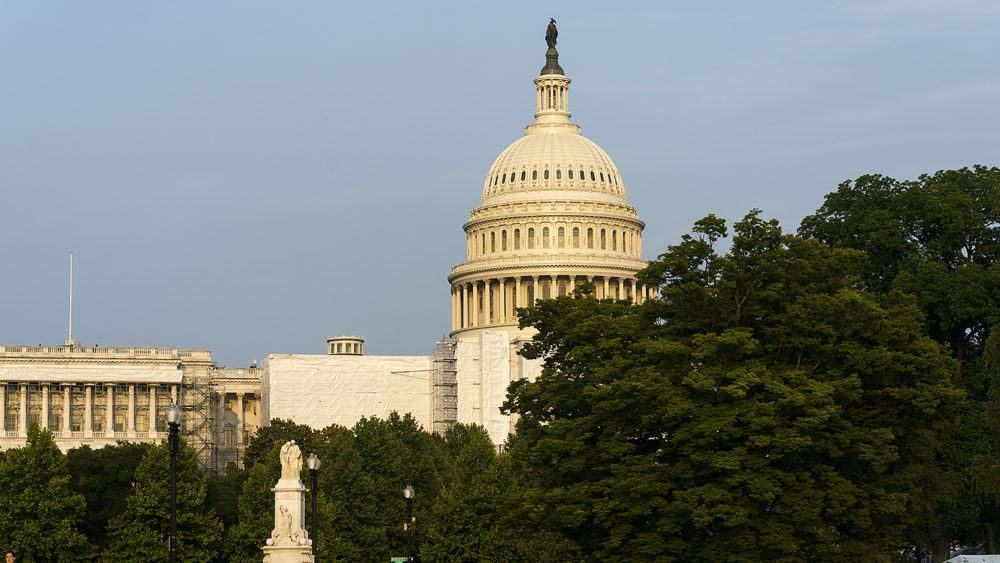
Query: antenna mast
point(69, 341)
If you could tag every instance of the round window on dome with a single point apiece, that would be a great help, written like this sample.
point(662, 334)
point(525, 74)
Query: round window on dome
point(522, 175)
point(582, 175)
point(570, 172)
point(503, 179)
point(534, 174)
point(558, 174)
point(546, 174)
point(602, 176)
point(592, 178)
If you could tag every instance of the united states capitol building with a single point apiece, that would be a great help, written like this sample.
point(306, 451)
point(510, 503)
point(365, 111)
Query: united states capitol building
point(553, 214)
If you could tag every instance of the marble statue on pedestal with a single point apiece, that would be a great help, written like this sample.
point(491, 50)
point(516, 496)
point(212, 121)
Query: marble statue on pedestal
point(289, 541)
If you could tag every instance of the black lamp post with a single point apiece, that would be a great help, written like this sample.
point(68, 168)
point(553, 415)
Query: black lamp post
point(313, 464)
point(408, 493)
point(174, 418)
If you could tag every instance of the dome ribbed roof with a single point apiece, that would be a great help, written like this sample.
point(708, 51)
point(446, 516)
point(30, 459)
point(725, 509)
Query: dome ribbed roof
point(558, 158)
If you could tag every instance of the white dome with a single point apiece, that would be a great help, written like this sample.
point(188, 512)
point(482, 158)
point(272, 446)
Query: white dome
point(553, 159)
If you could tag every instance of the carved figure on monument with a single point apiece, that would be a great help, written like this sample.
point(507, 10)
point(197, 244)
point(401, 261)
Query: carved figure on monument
point(291, 460)
point(551, 33)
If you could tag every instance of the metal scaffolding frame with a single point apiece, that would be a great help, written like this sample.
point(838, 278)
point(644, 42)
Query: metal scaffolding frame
point(444, 386)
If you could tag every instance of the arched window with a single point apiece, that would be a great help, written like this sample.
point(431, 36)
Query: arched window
point(503, 179)
point(590, 238)
point(602, 176)
point(493, 241)
point(592, 177)
point(534, 174)
point(546, 174)
point(558, 174)
point(614, 239)
point(582, 175)
point(546, 292)
point(562, 237)
point(576, 237)
point(503, 240)
point(570, 172)
point(517, 239)
point(545, 237)
point(531, 237)
point(604, 239)
point(522, 175)
point(484, 242)
point(562, 290)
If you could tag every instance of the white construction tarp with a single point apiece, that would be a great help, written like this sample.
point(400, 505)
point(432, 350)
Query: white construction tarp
point(495, 349)
point(341, 389)
point(89, 373)
point(468, 379)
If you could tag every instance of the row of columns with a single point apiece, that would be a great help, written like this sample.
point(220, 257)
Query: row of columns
point(129, 431)
point(240, 414)
point(468, 310)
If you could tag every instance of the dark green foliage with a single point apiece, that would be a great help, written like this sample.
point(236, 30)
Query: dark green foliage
point(105, 478)
point(40, 514)
point(223, 493)
point(141, 531)
point(764, 409)
point(938, 238)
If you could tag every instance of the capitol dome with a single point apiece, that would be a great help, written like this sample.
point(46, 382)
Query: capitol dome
point(553, 215)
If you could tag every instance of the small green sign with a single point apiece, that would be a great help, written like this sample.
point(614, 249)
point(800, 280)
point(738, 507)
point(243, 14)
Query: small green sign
point(397, 559)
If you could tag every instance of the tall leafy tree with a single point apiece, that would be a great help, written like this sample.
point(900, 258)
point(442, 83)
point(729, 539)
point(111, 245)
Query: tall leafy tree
point(765, 408)
point(104, 477)
point(142, 530)
point(938, 239)
point(40, 514)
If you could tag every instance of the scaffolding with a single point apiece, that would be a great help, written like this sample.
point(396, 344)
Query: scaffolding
point(199, 405)
point(444, 386)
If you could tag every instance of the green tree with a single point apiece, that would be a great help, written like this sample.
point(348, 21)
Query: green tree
point(141, 531)
point(105, 478)
point(476, 516)
point(40, 514)
point(938, 238)
point(764, 408)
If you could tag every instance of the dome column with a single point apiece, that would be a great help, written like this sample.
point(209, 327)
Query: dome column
point(534, 294)
point(503, 303)
point(475, 304)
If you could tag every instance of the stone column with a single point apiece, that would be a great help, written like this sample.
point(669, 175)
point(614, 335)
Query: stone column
point(503, 303)
point(3, 408)
point(151, 425)
point(173, 395)
point(45, 405)
point(130, 417)
point(621, 288)
point(66, 408)
point(488, 301)
point(88, 411)
point(534, 294)
point(475, 303)
point(239, 419)
point(454, 302)
point(572, 284)
point(638, 292)
point(109, 412)
point(464, 311)
point(23, 416)
point(606, 288)
point(553, 287)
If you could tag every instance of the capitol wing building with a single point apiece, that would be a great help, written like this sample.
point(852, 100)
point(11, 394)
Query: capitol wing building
point(553, 215)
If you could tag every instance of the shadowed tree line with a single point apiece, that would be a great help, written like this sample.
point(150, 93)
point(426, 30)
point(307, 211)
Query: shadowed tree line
point(827, 395)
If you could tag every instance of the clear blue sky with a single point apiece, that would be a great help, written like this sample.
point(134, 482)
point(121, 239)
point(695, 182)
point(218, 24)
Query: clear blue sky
point(252, 177)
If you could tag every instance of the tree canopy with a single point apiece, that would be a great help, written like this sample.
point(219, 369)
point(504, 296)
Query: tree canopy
point(765, 408)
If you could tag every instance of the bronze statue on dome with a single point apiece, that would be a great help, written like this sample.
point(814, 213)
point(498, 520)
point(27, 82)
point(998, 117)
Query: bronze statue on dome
point(551, 33)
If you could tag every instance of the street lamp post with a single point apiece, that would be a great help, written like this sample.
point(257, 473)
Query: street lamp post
point(174, 418)
point(408, 493)
point(313, 464)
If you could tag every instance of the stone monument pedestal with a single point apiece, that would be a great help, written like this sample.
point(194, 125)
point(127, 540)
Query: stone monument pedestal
point(289, 541)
